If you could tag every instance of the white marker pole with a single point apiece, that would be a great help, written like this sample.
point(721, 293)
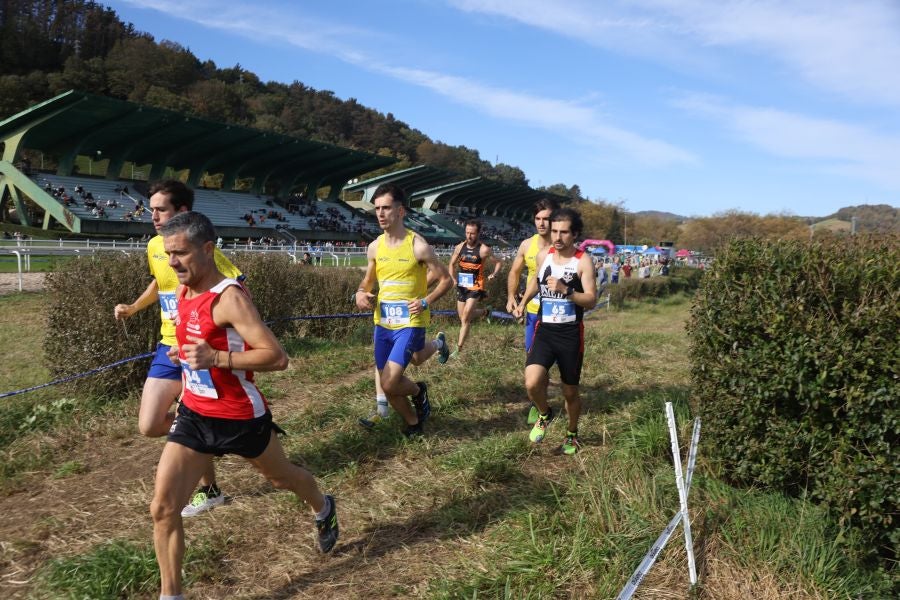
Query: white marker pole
point(650, 558)
point(682, 494)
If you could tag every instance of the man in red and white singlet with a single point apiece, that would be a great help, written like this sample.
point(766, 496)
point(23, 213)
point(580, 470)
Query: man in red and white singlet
point(221, 341)
point(565, 285)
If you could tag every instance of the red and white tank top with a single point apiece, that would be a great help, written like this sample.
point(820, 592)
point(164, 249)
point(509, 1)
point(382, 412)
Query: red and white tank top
point(557, 308)
point(215, 392)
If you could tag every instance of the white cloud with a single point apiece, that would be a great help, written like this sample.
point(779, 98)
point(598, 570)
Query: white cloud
point(831, 146)
point(578, 123)
point(849, 48)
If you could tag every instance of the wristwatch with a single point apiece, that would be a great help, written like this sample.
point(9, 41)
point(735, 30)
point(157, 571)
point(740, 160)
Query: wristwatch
point(424, 304)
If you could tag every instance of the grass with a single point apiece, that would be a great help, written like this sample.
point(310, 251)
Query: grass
point(471, 511)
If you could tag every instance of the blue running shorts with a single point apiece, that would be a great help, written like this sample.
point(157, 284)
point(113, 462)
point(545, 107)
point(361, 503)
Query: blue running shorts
point(530, 323)
point(397, 345)
point(162, 367)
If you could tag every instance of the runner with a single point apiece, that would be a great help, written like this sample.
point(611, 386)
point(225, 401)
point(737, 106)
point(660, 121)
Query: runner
point(398, 260)
point(163, 384)
point(438, 344)
point(221, 342)
point(472, 255)
point(565, 286)
point(526, 256)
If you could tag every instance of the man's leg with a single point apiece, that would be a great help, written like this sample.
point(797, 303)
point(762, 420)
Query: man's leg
point(573, 404)
point(155, 416)
point(285, 475)
point(176, 475)
point(537, 378)
point(397, 387)
point(463, 324)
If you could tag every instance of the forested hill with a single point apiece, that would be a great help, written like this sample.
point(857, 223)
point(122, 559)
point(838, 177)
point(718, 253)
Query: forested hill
point(50, 46)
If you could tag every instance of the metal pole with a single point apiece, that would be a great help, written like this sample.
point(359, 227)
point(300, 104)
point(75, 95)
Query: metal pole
point(19, 263)
point(682, 494)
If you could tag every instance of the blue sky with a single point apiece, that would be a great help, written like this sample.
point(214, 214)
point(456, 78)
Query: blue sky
point(689, 106)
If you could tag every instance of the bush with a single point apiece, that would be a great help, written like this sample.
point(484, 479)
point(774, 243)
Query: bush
point(794, 366)
point(82, 333)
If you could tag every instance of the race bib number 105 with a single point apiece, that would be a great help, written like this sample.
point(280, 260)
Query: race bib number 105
point(168, 305)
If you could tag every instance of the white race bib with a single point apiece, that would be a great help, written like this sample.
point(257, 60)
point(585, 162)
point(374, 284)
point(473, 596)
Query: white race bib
point(199, 382)
point(168, 305)
point(465, 279)
point(557, 310)
point(394, 313)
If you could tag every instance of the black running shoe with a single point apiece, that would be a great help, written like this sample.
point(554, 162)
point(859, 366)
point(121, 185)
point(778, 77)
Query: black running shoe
point(327, 528)
point(420, 401)
point(414, 431)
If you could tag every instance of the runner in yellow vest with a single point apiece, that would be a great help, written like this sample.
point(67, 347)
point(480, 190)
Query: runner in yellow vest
point(398, 261)
point(163, 384)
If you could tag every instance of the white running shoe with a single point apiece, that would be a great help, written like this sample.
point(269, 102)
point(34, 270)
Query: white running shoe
point(202, 502)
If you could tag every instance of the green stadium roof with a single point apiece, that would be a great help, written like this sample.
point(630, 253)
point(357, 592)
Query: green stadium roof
point(76, 123)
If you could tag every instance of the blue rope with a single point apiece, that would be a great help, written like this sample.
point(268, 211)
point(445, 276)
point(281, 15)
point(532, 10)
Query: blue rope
point(78, 375)
point(496, 314)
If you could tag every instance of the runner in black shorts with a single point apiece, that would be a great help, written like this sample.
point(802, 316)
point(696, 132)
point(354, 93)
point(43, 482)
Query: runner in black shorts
point(565, 286)
point(467, 269)
point(221, 341)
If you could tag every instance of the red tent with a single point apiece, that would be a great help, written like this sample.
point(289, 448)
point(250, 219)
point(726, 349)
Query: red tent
point(684, 252)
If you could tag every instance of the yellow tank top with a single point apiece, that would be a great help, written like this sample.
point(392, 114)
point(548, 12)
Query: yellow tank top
point(401, 278)
point(531, 265)
point(167, 281)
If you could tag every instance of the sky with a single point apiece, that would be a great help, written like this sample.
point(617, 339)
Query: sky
point(694, 107)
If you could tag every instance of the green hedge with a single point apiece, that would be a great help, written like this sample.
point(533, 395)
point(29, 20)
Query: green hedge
point(83, 335)
point(795, 364)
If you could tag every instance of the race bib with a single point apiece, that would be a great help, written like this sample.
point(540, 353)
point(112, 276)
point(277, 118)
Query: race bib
point(168, 305)
point(199, 382)
point(394, 313)
point(465, 279)
point(555, 310)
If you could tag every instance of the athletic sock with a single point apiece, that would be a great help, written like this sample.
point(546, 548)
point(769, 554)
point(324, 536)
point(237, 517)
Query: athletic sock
point(178, 597)
point(320, 516)
point(438, 344)
point(211, 490)
point(381, 404)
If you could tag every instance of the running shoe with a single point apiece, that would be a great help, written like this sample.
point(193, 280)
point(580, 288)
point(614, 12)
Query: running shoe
point(202, 502)
point(455, 354)
point(371, 421)
point(487, 314)
point(571, 445)
point(413, 431)
point(444, 352)
point(540, 427)
point(421, 403)
point(533, 414)
point(327, 528)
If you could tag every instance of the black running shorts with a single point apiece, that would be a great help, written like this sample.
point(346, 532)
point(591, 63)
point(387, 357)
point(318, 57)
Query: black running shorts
point(210, 435)
point(463, 294)
point(560, 344)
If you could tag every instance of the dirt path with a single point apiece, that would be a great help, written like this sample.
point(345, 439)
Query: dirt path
point(31, 282)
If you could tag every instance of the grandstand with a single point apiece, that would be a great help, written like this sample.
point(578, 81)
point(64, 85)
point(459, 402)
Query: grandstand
point(270, 183)
point(74, 127)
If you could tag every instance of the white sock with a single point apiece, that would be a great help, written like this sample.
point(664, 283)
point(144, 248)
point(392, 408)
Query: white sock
point(178, 597)
point(325, 509)
point(438, 343)
point(381, 404)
